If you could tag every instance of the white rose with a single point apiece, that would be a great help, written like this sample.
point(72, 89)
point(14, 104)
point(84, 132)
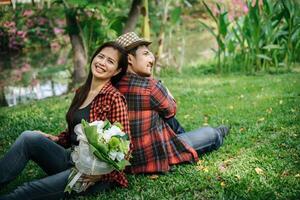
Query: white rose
point(100, 125)
point(120, 156)
point(113, 155)
point(106, 135)
point(116, 131)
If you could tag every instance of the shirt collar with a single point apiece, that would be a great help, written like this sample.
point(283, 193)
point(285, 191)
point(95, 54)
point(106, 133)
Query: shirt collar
point(106, 88)
point(136, 75)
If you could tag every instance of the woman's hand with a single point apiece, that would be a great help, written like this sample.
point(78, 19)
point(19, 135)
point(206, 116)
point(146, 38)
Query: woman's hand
point(91, 178)
point(49, 136)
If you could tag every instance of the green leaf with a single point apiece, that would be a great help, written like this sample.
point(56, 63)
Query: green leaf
point(175, 15)
point(117, 24)
point(265, 57)
point(271, 46)
point(209, 29)
point(106, 125)
point(118, 124)
point(113, 143)
point(210, 12)
point(123, 163)
point(93, 137)
point(223, 24)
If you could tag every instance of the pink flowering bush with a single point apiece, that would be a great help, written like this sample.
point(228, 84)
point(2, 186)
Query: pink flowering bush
point(29, 28)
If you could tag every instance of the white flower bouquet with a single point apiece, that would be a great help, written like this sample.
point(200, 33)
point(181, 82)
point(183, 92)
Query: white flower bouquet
point(103, 147)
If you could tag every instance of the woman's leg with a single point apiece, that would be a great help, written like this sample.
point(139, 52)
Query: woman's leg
point(51, 157)
point(205, 139)
point(51, 187)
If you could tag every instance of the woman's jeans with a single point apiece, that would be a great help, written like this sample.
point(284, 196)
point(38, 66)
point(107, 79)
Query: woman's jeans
point(51, 157)
point(202, 140)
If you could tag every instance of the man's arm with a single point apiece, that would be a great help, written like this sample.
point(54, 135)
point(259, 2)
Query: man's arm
point(162, 101)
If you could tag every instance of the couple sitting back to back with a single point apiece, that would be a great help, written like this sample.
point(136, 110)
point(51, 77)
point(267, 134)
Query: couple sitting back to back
point(157, 139)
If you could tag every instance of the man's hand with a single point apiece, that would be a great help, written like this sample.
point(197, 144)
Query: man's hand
point(51, 137)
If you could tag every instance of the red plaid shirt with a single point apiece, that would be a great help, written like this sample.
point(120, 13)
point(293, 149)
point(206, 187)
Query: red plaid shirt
point(108, 104)
point(155, 145)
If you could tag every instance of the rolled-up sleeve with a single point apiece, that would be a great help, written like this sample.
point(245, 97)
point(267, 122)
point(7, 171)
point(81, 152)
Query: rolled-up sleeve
point(64, 139)
point(161, 101)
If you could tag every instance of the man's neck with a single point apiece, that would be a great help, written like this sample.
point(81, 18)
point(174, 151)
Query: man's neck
point(130, 70)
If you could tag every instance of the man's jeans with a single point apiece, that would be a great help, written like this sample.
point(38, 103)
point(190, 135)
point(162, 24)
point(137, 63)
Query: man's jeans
point(202, 140)
point(51, 157)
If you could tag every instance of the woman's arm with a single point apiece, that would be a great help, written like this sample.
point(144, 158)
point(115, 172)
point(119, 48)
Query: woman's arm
point(119, 113)
point(51, 137)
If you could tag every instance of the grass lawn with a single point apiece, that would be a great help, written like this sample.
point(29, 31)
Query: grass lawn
point(260, 159)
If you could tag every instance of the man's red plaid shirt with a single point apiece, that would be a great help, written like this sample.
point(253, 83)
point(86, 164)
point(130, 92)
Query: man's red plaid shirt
point(108, 104)
point(155, 145)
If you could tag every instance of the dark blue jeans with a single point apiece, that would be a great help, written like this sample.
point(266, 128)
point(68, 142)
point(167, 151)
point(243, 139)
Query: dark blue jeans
point(203, 140)
point(51, 157)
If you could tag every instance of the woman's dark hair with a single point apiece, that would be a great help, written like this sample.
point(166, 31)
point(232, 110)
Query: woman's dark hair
point(83, 90)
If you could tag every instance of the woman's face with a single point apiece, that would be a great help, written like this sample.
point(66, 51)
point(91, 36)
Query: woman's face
point(105, 64)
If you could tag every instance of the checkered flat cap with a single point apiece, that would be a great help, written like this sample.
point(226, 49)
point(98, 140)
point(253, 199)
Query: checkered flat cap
point(131, 40)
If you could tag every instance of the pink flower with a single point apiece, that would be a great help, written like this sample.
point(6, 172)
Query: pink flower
point(25, 68)
point(29, 23)
point(58, 31)
point(42, 21)
point(245, 9)
point(9, 24)
point(27, 13)
point(21, 34)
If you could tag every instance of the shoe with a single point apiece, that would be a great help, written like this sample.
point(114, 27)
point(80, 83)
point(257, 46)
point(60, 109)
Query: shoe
point(224, 130)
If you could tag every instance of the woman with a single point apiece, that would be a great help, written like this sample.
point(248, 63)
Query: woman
point(97, 99)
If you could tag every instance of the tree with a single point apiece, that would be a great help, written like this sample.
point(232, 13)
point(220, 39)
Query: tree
point(77, 41)
point(133, 16)
point(78, 47)
point(3, 101)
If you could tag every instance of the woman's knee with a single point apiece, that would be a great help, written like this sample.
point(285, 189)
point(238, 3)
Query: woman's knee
point(31, 136)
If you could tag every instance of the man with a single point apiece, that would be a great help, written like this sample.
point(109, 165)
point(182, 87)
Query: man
point(151, 114)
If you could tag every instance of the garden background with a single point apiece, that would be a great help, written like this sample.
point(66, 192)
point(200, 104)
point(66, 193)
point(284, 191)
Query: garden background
point(226, 62)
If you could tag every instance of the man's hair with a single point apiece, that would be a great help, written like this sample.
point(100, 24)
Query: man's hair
point(133, 51)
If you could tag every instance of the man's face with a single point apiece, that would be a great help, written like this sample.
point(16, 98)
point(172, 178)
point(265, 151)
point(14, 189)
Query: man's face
point(142, 62)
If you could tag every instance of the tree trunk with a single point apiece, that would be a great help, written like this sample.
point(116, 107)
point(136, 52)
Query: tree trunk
point(78, 48)
point(146, 23)
point(161, 36)
point(3, 101)
point(133, 16)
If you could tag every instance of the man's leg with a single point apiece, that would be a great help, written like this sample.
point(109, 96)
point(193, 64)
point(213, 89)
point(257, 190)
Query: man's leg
point(175, 125)
point(205, 139)
point(51, 157)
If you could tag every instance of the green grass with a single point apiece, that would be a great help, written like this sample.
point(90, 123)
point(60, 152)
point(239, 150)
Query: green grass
point(260, 159)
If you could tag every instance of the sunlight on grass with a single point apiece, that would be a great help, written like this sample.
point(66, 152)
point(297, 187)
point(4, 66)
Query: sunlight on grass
point(260, 158)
